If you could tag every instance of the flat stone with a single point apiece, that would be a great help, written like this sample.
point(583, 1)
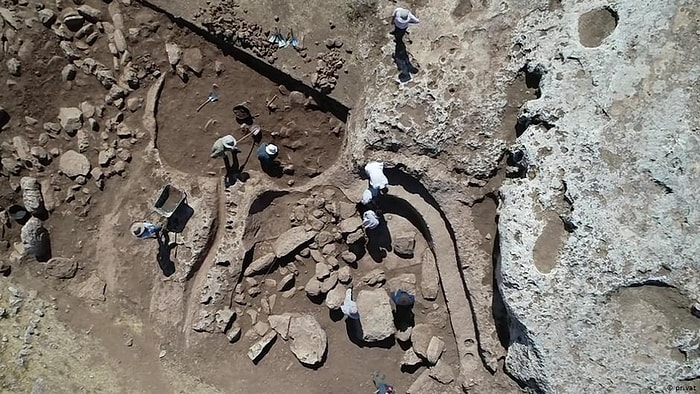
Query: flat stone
point(354, 237)
point(335, 297)
point(174, 53)
point(46, 16)
point(404, 244)
point(435, 349)
point(261, 328)
point(329, 283)
point(429, 277)
point(233, 334)
point(90, 13)
point(404, 335)
point(323, 238)
point(405, 282)
point(291, 240)
point(346, 210)
point(93, 289)
point(374, 277)
point(260, 265)
point(193, 60)
point(442, 372)
point(223, 318)
point(344, 275)
point(204, 321)
point(322, 271)
point(74, 164)
point(374, 307)
point(119, 41)
point(350, 225)
point(257, 349)
point(61, 267)
point(280, 323)
point(286, 282)
point(348, 257)
point(308, 340)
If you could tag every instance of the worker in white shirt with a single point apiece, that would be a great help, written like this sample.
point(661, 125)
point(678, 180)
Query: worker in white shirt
point(368, 196)
point(377, 179)
point(349, 307)
point(402, 18)
point(370, 220)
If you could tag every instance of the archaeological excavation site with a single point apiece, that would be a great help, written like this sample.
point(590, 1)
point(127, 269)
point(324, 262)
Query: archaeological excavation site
point(354, 196)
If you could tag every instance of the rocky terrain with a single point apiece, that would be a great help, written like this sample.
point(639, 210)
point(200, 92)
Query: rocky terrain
point(540, 169)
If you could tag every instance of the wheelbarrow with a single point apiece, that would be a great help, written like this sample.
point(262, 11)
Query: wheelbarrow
point(169, 200)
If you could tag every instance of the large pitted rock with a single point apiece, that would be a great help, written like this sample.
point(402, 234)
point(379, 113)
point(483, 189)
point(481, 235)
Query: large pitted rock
point(308, 339)
point(291, 240)
point(374, 307)
point(61, 267)
point(429, 278)
point(71, 119)
point(74, 164)
point(260, 265)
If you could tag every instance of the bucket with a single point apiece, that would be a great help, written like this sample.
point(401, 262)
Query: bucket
point(242, 113)
point(17, 212)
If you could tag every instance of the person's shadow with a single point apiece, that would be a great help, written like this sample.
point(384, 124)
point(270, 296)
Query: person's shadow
point(163, 257)
point(402, 60)
point(379, 241)
point(234, 171)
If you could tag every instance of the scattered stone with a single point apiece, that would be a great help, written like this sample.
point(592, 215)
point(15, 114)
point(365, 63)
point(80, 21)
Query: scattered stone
point(14, 67)
point(308, 339)
point(83, 141)
point(174, 53)
point(69, 50)
point(31, 195)
point(410, 359)
point(257, 349)
point(260, 265)
point(223, 319)
point(435, 349)
point(328, 250)
point(313, 287)
point(35, 238)
point(286, 282)
point(261, 328)
point(374, 307)
point(90, 13)
point(47, 17)
point(74, 164)
point(291, 240)
point(297, 98)
point(348, 257)
point(421, 335)
point(350, 225)
point(335, 297)
point(323, 238)
point(280, 323)
point(442, 372)
point(355, 237)
point(430, 279)
point(344, 275)
point(119, 41)
point(204, 321)
point(219, 67)
point(405, 282)
point(374, 277)
point(24, 153)
point(333, 262)
point(193, 60)
point(322, 271)
point(69, 72)
point(73, 21)
point(404, 244)
point(133, 104)
point(71, 119)
point(328, 284)
point(234, 333)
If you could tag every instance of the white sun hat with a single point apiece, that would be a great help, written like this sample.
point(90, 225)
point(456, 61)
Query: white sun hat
point(228, 141)
point(271, 149)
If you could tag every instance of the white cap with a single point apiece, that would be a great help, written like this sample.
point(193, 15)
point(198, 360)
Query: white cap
point(403, 14)
point(271, 149)
point(137, 229)
point(228, 141)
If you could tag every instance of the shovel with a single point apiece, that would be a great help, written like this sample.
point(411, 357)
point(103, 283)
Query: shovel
point(213, 97)
point(254, 131)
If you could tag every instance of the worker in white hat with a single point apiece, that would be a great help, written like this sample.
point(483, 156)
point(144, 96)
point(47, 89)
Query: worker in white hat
point(349, 307)
point(267, 153)
point(224, 144)
point(370, 220)
point(377, 179)
point(402, 18)
point(145, 230)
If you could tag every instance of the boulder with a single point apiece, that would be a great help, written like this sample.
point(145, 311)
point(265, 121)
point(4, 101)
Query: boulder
point(429, 277)
point(374, 277)
point(404, 244)
point(280, 323)
point(420, 339)
point(344, 275)
point(71, 119)
point(260, 265)
point(313, 287)
point(405, 282)
point(61, 267)
point(31, 195)
point(374, 307)
point(322, 271)
point(74, 164)
point(257, 349)
point(335, 297)
point(308, 340)
point(291, 240)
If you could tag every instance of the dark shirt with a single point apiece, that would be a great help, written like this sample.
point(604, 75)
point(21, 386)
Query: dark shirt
point(263, 156)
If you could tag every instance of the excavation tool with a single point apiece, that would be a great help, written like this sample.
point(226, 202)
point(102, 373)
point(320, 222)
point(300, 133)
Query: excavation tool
point(254, 131)
point(276, 38)
point(213, 97)
point(169, 200)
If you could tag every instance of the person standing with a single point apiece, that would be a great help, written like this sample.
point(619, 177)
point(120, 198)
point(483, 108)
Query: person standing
point(402, 18)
